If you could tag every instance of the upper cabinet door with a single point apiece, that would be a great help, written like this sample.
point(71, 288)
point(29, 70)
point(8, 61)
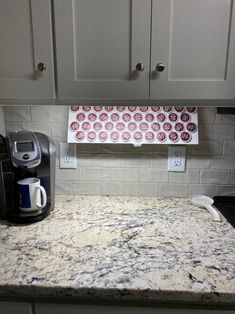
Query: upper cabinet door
point(98, 45)
point(195, 40)
point(26, 41)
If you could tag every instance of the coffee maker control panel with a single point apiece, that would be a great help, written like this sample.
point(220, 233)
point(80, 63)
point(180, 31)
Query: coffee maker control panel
point(24, 149)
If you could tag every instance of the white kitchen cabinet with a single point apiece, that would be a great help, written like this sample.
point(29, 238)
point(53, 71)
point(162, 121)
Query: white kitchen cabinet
point(98, 45)
point(26, 41)
point(15, 308)
point(107, 309)
point(195, 40)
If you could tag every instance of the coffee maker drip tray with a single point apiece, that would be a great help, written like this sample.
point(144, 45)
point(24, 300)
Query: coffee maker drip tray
point(226, 205)
point(21, 217)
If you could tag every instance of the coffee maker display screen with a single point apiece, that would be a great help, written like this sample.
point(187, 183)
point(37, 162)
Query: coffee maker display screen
point(25, 147)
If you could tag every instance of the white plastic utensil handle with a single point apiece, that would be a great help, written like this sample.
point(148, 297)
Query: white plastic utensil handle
point(44, 197)
point(206, 202)
point(213, 212)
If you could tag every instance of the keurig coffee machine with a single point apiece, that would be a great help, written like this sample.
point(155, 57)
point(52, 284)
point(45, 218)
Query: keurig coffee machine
point(25, 155)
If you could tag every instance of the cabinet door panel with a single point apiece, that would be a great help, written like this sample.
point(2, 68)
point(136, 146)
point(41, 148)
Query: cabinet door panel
point(15, 308)
point(114, 309)
point(195, 39)
point(25, 36)
point(98, 44)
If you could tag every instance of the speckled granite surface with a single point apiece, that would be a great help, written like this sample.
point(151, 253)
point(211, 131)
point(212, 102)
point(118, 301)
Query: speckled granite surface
point(134, 248)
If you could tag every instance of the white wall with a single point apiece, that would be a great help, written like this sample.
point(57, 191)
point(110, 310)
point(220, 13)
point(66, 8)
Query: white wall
point(123, 170)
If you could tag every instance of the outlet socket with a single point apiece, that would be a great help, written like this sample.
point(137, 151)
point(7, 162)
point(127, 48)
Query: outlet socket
point(176, 158)
point(68, 157)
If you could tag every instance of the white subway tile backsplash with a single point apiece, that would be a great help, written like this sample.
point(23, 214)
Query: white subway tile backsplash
point(215, 176)
point(153, 175)
point(129, 148)
point(95, 174)
point(198, 162)
point(84, 160)
point(12, 126)
point(125, 174)
point(144, 189)
point(225, 119)
point(86, 188)
point(89, 148)
point(68, 174)
point(214, 131)
point(206, 115)
point(173, 190)
point(232, 177)
point(121, 169)
point(17, 113)
point(203, 189)
point(115, 149)
point(190, 176)
point(63, 188)
point(229, 147)
point(135, 161)
point(159, 161)
point(46, 113)
point(59, 129)
point(206, 147)
point(223, 162)
point(115, 188)
point(102, 160)
point(37, 127)
point(227, 190)
point(148, 149)
point(64, 113)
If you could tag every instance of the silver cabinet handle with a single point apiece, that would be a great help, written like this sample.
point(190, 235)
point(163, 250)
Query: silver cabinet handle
point(160, 67)
point(41, 67)
point(140, 67)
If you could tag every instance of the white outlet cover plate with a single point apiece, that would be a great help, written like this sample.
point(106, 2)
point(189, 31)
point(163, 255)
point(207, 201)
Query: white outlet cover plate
point(68, 157)
point(176, 158)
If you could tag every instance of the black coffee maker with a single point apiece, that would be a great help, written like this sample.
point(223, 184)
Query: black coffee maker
point(25, 154)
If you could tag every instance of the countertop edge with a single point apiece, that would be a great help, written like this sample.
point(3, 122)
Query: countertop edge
point(128, 296)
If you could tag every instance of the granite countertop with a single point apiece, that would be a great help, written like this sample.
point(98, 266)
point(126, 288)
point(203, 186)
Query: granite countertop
point(129, 248)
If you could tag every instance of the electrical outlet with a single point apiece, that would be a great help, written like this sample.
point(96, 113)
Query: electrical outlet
point(176, 158)
point(68, 157)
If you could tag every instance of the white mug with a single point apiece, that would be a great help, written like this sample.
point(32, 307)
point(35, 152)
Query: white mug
point(30, 192)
